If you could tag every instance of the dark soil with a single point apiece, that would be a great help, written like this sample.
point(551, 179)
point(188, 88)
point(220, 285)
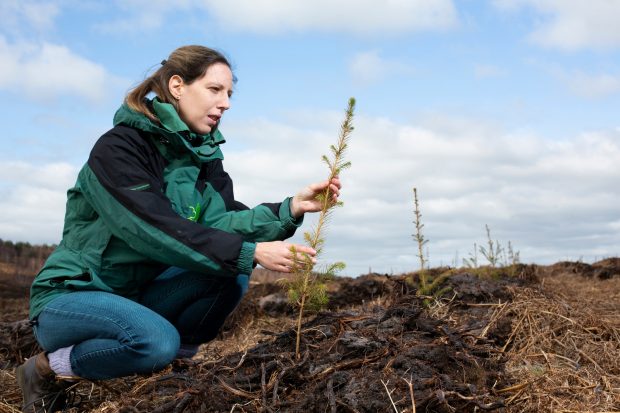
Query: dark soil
point(377, 348)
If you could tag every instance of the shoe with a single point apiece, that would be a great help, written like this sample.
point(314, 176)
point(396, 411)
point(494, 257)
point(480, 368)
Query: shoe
point(42, 392)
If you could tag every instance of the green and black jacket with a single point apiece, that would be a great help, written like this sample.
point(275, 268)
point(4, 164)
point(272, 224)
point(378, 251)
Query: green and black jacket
point(153, 196)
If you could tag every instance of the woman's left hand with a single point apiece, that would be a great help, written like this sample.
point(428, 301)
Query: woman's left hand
point(305, 200)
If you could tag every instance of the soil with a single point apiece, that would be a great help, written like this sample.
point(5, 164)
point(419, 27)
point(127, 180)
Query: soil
point(486, 343)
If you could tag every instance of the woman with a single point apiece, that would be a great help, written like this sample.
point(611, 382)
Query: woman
point(156, 252)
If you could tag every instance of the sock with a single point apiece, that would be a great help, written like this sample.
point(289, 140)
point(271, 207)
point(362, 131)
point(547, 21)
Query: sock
point(60, 362)
point(187, 351)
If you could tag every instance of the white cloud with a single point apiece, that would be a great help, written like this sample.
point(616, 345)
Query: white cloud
point(368, 67)
point(354, 16)
point(543, 196)
point(362, 17)
point(573, 24)
point(19, 16)
point(44, 71)
point(579, 82)
point(32, 200)
point(144, 15)
point(593, 86)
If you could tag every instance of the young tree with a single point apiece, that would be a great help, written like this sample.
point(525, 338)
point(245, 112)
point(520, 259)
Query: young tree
point(306, 290)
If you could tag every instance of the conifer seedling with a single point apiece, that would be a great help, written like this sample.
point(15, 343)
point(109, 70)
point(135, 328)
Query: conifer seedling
point(419, 238)
point(306, 289)
point(426, 285)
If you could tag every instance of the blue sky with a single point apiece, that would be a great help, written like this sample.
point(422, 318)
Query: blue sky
point(500, 112)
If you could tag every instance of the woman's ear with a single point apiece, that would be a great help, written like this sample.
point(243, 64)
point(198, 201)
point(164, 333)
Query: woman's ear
point(176, 86)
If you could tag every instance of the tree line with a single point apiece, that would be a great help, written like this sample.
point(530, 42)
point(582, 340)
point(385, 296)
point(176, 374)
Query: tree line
point(22, 258)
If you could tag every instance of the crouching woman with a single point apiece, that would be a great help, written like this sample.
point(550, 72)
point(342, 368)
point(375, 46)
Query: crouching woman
point(156, 252)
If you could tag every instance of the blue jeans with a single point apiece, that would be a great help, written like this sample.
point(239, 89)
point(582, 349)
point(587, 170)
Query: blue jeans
point(114, 336)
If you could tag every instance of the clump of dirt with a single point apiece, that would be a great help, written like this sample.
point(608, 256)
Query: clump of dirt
point(16, 343)
point(356, 360)
point(604, 269)
point(270, 298)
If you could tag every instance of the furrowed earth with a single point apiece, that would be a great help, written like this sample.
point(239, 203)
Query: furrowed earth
point(522, 338)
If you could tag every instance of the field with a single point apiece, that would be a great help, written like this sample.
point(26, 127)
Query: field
point(524, 338)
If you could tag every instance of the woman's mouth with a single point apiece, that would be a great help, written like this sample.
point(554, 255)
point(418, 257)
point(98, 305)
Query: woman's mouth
point(214, 119)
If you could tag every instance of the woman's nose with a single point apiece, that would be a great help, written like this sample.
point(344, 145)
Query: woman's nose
point(224, 103)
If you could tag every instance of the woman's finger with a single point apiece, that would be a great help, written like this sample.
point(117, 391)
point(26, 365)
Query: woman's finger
point(319, 186)
point(303, 248)
point(335, 190)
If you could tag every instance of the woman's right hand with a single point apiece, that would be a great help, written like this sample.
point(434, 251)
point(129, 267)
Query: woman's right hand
point(277, 255)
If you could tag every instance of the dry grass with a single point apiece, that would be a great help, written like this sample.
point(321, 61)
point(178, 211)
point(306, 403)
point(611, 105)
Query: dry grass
point(11, 396)
point(563, 354)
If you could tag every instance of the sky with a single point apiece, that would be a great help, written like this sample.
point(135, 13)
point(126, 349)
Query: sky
point(500, 112)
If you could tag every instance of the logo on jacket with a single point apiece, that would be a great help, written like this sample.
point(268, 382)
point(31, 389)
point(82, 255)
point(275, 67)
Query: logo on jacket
point(195, 213)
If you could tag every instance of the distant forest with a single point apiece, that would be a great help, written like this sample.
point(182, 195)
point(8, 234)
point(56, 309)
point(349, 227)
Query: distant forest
point(22, 258)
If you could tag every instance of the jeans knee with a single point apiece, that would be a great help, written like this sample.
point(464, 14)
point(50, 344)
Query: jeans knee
point(158, 350)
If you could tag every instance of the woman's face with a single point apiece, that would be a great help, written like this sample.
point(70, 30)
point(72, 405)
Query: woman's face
point(202, 103)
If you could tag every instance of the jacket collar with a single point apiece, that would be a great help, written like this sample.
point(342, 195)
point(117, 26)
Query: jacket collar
point(174, 131)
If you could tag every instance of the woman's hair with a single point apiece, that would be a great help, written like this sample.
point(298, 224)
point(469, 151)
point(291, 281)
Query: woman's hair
point(189, 62)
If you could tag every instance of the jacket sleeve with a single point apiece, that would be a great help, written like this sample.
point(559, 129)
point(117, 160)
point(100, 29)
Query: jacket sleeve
point(124, 184)
point(265, 222)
